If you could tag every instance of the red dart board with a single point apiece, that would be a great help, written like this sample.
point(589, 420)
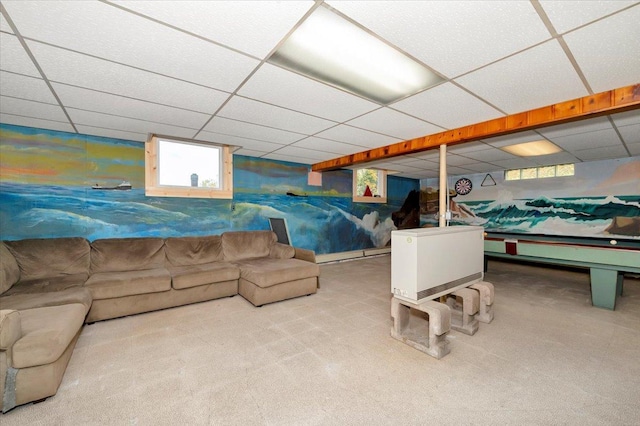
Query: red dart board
point(463, 186)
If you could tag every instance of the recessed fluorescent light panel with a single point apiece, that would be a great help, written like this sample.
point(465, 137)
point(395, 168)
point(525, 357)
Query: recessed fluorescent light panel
point(329, 48)
point(531, 149)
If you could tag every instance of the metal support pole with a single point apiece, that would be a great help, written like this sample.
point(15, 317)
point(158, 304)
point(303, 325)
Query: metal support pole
point(442, 213)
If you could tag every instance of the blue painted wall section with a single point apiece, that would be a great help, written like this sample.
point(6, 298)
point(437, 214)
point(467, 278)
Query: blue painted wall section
point(45, 192)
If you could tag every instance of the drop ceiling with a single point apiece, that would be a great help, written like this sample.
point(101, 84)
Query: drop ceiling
point(124, 69)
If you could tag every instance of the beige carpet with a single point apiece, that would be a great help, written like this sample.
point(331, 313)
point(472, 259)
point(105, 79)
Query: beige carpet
point(328, 359)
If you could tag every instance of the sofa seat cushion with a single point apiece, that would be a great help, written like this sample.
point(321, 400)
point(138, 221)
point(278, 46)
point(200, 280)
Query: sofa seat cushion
point(46, 333)
point(109, 285)
point(209, 273)
point(30, 300)
point(46, 285)
point(267, 272)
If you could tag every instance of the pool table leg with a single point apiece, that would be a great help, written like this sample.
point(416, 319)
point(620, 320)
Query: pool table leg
point(605, 286)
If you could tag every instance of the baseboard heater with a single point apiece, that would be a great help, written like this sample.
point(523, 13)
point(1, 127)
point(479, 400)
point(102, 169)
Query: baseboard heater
point(351, 255)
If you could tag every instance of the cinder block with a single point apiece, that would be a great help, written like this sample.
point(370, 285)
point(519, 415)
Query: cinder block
point(487, 293)
point(431, 340)
point(464, 304)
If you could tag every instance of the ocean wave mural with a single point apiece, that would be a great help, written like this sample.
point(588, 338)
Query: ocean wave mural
point(601, 200)
point(47, 180)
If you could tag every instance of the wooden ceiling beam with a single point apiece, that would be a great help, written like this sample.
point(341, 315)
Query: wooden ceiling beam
point(605, 103)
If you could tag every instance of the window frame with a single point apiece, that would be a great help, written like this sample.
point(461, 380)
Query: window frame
point(382, 176)
point(151, 166)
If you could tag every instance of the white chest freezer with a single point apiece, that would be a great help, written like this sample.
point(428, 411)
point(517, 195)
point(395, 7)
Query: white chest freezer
point(427, 263)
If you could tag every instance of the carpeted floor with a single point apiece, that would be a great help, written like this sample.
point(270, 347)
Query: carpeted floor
point(549, 357)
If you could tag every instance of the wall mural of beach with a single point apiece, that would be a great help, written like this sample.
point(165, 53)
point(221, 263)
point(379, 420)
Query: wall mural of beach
point(601, 200)
point(57, 184)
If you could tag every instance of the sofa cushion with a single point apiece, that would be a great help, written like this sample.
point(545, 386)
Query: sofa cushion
point(50, 257)
point(108, 285)
point(46, 333)
point(45, 285)
point(266, 272)
point(29, 300)
point(193, 276)
point(9, 269)
point(127, 254)
point(189, 251)
point(247, 244)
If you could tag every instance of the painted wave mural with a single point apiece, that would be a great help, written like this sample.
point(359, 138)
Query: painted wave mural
point(45, 192)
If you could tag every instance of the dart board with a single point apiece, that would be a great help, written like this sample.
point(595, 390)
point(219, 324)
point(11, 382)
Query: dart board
point(463, 186)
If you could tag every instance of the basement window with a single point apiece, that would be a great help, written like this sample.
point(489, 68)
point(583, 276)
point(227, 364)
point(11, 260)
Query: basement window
point(370, 186)
point(187, 168)
point(541, 172)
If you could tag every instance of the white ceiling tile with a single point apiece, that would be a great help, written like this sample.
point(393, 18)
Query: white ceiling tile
point(534, 78)
point(289, 158)
point(630, 134)
point(627, 118)
point(480, 167)
point(435, 105)
point(429, 174)
point(577, 127)
point(354, 136)
point(87, 118)
point(249, 152)
point(14, 58)
point(513, 139)
point(551, 159)
point(567, 15)
point(251, 144)
point(603, 153)
point(452, 37)
point(414, 162)
point(31, 109)
point(80, 70)
point(4, 25)
point(111, 133)
point(24, 87)
point(430, 155)
point(90, 100)
point(395, 124)
point(19, 120)
point(273, 116)
point(516, 163)
point(257, 27)
point(459, 160)
point(295, 151)
point(327, 146)
point(599, 138)
point(110, 33)
point(251, 131)
point(278, 86)
point(417, 176)
point(602, 50)
point(490, 155)
point(464, 148)
point(634, 148)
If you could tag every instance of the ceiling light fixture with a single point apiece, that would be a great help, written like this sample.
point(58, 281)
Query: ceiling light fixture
point(532, 149)
point(329, 48)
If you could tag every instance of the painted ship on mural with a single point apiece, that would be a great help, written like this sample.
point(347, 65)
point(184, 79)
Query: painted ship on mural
point(123, 186)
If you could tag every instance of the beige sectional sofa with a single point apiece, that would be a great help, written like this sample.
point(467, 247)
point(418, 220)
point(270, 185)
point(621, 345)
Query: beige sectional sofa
point(49, 288)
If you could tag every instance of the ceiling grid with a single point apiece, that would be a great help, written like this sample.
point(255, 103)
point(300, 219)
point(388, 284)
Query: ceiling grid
point(201, 70)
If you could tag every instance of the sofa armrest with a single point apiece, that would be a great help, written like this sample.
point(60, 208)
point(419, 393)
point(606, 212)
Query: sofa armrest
point(281, 251)
point(10, 328)
point(304, 254)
